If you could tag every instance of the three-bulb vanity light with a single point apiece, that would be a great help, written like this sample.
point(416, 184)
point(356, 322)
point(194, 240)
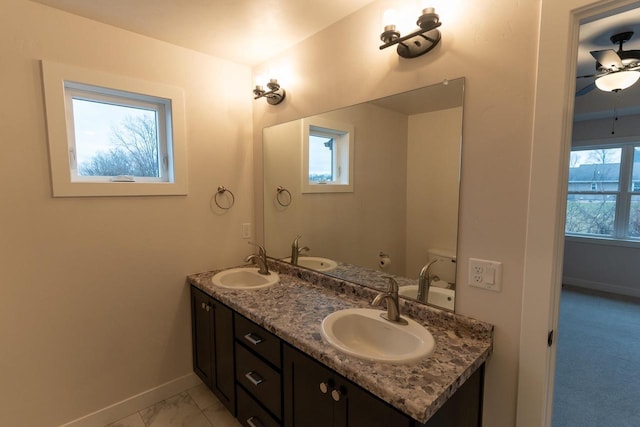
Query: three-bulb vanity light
point(418, 42)
point(275, 95)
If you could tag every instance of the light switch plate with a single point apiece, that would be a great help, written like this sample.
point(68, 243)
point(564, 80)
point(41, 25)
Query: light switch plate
point(246, 230)
point(485, 274)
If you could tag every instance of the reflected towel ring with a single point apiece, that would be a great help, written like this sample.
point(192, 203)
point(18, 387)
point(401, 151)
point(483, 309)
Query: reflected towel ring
point(281, 190)
point(222, 190)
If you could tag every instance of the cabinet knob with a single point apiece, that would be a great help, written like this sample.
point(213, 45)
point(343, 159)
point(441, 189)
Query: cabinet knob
point(204, 306)
point(336, 395)
point(324, 388)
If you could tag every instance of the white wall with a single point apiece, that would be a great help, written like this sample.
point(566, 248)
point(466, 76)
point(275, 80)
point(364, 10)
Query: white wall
point(601, 266)
point(432, 185)
point(93, 302)
point(494, 47)
point(380, 160)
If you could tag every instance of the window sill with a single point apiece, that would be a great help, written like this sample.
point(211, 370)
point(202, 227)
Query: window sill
point(602, 241)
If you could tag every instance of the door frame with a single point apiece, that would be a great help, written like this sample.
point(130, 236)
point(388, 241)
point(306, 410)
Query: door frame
point(544, 247)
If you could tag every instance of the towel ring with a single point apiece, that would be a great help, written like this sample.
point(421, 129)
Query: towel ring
point(281, 190)
point(221, 191)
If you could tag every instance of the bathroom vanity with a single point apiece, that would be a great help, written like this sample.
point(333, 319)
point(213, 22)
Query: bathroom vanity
point(261, 352)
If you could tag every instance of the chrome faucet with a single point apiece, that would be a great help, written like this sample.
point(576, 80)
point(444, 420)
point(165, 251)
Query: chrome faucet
point(424, 282)
point(296, 251)
point(391, 298)
point(260, 259)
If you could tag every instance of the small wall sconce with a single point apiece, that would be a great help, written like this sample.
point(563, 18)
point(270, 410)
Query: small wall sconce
point(418, 42)
point(275, 95)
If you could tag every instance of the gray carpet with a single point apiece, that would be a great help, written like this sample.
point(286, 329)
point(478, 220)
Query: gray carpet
point(597, 381)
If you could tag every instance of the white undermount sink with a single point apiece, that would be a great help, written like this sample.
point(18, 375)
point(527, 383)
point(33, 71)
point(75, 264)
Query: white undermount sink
point(315, 263)
point(244, 278)
point(361, 332)
point(441, 297)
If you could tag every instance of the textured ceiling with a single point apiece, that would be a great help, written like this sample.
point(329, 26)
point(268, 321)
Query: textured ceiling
point(243, 31)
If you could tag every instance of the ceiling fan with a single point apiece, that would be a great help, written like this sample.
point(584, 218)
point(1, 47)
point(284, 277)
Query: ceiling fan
point(616, 70)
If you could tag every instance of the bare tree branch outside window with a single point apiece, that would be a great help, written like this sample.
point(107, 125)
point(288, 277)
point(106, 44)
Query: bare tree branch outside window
point(134, 151)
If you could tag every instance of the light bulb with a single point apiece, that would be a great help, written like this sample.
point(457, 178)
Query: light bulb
point(617, 81)
point(389, 18)
point(261, 81)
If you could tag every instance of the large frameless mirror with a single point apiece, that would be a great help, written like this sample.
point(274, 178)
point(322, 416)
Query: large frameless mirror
point(371, 190)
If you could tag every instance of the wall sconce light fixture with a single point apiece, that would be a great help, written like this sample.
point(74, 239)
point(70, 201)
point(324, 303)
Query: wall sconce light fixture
point(275, 95)
point(418, 42)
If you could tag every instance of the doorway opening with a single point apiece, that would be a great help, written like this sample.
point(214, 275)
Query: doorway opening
point(597, 380)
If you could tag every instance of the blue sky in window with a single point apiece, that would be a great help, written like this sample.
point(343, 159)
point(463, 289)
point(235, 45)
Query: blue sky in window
point(93, 123)
point(593, 156)
point(320, 157)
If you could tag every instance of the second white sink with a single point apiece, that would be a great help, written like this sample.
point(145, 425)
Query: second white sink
point(315, 263)
point(361, 332)
point(244, 278)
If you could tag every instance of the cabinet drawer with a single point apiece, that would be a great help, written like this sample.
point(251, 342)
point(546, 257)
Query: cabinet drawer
point(251, 414)
point(259, 379)
point(258, 339)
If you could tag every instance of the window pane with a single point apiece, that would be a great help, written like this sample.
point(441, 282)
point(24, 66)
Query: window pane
point(320, 158)
point(635, 186)
point(115, 139)
point(634, 217)
point(590, 214)
point(594, 170)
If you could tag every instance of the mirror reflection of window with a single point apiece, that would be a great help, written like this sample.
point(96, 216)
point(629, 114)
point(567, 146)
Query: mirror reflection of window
point(321, 158)
point(327, 156)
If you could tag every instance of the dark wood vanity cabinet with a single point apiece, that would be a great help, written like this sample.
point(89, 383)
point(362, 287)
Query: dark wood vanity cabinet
point(265, 382)
point(213, 347)
point(318, 397)
point(258, 374)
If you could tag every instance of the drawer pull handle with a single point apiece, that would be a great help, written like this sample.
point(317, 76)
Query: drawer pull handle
point(254, 377)
point(253, 338)
point(253, 420)
point(324, 388)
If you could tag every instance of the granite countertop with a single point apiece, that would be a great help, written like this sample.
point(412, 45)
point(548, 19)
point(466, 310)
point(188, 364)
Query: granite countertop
point(293, 310)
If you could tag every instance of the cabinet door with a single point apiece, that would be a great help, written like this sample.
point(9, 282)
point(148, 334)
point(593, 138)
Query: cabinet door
point(212, 341)
point(317, 396)
point(223, 378)
point(355, 407)
point(306, 387)
point(202, 335)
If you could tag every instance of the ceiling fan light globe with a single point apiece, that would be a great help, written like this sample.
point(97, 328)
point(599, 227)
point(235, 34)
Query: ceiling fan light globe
point(617, 81)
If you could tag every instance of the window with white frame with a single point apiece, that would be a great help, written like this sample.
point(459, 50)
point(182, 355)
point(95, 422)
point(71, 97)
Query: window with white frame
point(603, 196)
point(112, 135)
point(327, 156)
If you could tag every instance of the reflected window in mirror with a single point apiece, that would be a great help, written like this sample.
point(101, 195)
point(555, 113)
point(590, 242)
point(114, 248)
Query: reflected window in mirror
point(327, 163)
point(406, 200)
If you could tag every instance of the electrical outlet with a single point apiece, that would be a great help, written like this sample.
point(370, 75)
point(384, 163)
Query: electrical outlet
point(485, 274)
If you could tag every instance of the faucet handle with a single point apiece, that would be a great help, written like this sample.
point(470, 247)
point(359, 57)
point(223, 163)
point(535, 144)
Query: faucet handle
point(261, 249)
point(393, 285)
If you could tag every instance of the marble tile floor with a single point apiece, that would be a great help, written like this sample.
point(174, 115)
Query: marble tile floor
point(196, 407)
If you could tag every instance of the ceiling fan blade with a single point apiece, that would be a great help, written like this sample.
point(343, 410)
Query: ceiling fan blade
point(589, 75)
point(588, 88)
point(608, 58)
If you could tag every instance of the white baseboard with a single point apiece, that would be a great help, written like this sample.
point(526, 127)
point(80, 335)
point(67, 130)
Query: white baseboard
point(135, 403)
point(602, 287)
